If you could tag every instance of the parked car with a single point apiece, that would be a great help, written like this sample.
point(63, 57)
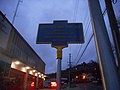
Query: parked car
point(46, 84)
point(90, 77)
point(50, 84)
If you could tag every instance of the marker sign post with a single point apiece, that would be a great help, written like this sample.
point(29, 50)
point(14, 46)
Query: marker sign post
point(59, 35)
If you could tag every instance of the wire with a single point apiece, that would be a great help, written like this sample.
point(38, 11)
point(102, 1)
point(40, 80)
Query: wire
point(87, 25)
point(81, 45)
point(104, 12)
point(85, 48)
point(75, 14)
point(75, 10)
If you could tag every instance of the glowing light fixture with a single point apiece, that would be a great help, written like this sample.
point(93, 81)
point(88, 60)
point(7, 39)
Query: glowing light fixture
point(36, 74)
point(30, 72)
point(44, 79)
point(83, 77)
point(45, 76)
point(17, 62)
point(39, 76)
point(27, 67)
point(76, 76)
point(23, 69)
point(33, 70)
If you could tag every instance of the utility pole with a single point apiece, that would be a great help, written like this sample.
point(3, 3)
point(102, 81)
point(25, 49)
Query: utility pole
point(105, 55)
point(70, 65)
point(114, 28)
point(16, 11)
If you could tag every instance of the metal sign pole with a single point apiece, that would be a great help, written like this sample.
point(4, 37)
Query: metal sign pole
point(58, 74)
point(104, 51)
point(59, 59)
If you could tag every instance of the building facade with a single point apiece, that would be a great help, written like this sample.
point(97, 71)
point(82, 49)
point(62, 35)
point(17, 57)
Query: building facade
point(18, 61)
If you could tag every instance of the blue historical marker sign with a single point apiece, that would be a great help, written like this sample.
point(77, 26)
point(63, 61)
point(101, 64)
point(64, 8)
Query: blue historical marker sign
point(60, 33)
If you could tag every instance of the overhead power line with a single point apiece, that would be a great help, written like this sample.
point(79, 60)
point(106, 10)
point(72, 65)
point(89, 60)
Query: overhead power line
point(85, 48)
point(75, 10)
point(81, 45)
point(104, 12)
point(86, 30)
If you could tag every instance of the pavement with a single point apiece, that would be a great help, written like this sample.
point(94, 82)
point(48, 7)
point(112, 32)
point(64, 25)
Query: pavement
point(83, 86)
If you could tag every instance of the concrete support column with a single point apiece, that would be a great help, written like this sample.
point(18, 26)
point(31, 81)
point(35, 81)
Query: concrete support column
point(25, 80)
point(37, 80)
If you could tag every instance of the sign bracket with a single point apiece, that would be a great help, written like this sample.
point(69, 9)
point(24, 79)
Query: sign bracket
point(59, 51)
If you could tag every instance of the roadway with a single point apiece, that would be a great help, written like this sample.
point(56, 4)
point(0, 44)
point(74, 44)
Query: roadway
point(84, 86)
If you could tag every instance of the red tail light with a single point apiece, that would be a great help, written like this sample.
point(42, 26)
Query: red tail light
point(53, 84)
point(32, 84)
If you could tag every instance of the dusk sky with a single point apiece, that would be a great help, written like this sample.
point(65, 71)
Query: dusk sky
point(31, 13)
